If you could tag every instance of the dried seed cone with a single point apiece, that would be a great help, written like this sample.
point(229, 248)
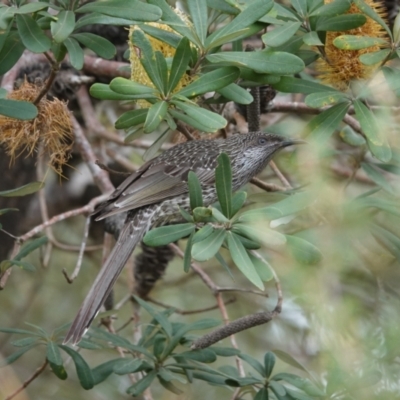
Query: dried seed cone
point(343, 66)
point(52, 128)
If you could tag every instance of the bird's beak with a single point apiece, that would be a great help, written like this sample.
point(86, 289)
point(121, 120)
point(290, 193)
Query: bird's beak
point(291, 142)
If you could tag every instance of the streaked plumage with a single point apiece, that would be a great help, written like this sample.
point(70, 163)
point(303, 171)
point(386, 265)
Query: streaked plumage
point(154, 193)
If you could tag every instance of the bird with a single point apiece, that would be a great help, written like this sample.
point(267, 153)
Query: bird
point(153, 195)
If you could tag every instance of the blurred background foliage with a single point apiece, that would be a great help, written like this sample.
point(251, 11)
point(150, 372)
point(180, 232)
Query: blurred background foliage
point(333, 69)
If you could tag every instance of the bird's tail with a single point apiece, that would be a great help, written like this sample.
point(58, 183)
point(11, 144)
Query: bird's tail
point(131, 234)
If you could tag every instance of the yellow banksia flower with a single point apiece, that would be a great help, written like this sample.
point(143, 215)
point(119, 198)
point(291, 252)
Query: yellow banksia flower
point(51, 129)
point(138, 74)
point(343, 66)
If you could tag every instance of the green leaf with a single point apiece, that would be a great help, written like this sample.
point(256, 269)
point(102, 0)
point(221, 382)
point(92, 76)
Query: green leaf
point(131, 118)
point(300, 383)
point(288, 359)
point(225, 351)
point(64, 25)
point(141, 385)
point(251, 14)
point(103, 371)
point(377, 142)
point(155, 115)
point(28, 341)
point(102, 47)
point(172, 19)
point(167, 384)
point(288, 84)
point(290, 205)
point(335, 8)
point(262, 267)
point(223, 183)
point(211, 81)
point(260, 233)
point(312, 39)
point(21, 110)
point(209, 119)
point(242, 260)
point(352, 138)
point(207, 248)
point(133, 10)
point(18, 331)
point(210, 378)
point(82, 368)
point(263, 61)
point(187, 257)
point(340, 22)
point(189, 120)
point(198, 12)
point(323, 99)
point(130, 92)
point(32, 7)
point(128, 366)
point(253, 363)
point(168, 234)
point(236, 36)
point(53, 354)
point(238, 200)
point(148, 58)
point(203, 233)
point(375, 57)
point(96, 18)
point(22, 264)
point(159, 317)
point(353, 42)
point(202, 214)
point(75, 52)
point(321, 127)
point(14, 356)
point(370, 12)
point(195, 191)
point(24, 190)
point(281, 35)
point(303, 251)
point(234, 92)
point(377, 177)
point(162, 68)
point(59, 371)
point(262, 394)
point(33, 38)
point(180, 63)
point(170, 38)
point(269, 363)
point(204, 355)
point(300, 6)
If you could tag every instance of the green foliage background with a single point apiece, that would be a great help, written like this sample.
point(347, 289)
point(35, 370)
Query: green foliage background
point(333, 242)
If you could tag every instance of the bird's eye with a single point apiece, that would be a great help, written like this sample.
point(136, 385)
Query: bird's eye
point(262, 140)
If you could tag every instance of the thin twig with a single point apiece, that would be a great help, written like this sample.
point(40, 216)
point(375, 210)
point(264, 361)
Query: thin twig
point(243, 323)
point(280, 175)
point(189, 312)
point(71, 278)
point(28, 381)
point(185, 131)
point(88, 208)
point(100, 177)
point(268, 187)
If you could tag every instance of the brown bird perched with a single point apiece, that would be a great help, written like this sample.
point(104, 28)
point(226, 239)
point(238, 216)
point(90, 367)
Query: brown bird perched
point(152, 196)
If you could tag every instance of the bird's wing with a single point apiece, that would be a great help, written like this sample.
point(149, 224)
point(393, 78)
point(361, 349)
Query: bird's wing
point(153, 183)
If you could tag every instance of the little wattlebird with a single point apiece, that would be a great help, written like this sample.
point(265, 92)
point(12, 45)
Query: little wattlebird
point(153, 194)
